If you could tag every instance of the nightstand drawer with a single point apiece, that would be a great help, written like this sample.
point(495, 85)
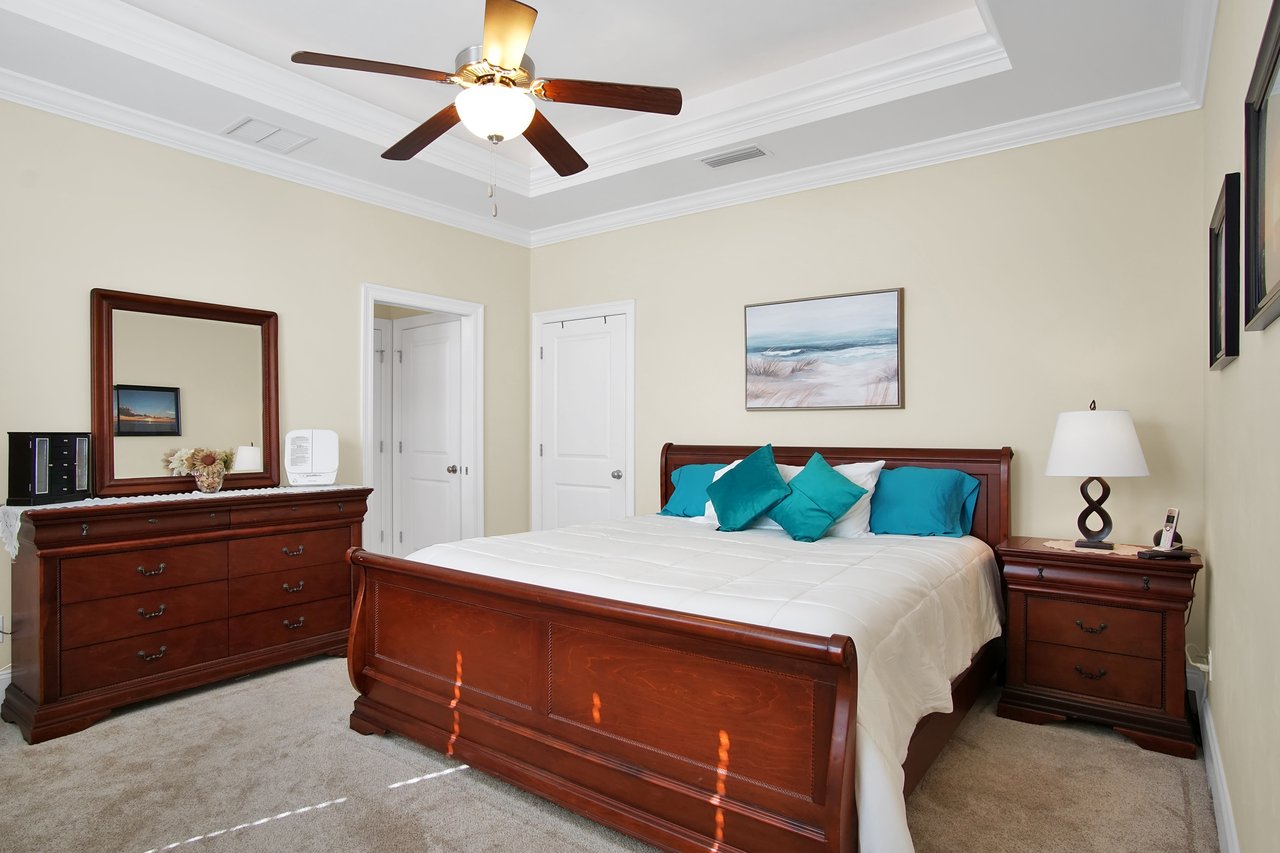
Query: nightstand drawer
point(1090, 673)
point(1095, 626)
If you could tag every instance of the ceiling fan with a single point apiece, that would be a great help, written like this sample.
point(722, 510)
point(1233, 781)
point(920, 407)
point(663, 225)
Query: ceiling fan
point(497, 80)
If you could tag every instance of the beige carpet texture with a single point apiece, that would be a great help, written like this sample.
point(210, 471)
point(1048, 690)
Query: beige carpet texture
point(267, 763)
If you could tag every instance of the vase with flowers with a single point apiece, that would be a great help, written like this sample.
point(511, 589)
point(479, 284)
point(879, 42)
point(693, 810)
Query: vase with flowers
point(209, 467)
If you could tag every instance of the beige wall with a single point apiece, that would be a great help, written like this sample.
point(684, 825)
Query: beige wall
point(84, 207)
point(1242, 481)
point(1036, 280)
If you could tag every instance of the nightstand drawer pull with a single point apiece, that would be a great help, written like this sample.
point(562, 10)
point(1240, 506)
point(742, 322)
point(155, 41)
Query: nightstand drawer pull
point(152, 614)
point(297, 552)
point(290, 626)
point(1102, 626)
point(156, 656)
point(297, 588)
point(159, 570)
point(1093, 676)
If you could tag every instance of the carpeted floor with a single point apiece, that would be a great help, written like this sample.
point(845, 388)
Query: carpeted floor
point(267, 763)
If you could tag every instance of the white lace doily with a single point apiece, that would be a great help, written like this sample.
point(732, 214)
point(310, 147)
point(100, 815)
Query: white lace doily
point(11, 516)
point(1117, 551)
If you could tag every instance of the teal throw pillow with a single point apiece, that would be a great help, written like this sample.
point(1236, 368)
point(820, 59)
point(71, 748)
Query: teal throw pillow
point(689, 498)
point(924, 502)
point(747, 491)
point(819, 495)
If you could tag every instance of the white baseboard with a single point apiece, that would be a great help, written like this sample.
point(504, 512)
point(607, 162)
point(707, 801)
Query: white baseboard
point(1228, 842)
point(6, 676)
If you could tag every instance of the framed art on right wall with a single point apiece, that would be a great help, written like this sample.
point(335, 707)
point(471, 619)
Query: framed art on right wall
point(1262, 186)
point(1224, 275)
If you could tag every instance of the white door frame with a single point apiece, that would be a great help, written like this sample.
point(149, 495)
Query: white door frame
point(472, 316)
point(627, 308)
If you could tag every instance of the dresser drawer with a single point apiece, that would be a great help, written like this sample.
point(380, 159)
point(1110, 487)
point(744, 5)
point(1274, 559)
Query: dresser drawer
point(301, 511)
point(1095, 626)
point(252, 593)
point(263, 554)
point(87, 578)
point(288, 624)
point(150, 654)
point(1101, 674)
point(142, 613)
point(92, 529)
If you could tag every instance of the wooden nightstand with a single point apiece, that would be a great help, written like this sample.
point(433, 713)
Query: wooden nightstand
point(1098, 636)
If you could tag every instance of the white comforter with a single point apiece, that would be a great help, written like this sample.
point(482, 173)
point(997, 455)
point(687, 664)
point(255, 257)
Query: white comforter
point(917, 609)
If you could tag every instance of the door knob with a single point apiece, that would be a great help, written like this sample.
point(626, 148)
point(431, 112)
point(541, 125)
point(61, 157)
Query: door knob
point(452, 469)
point(617, 474)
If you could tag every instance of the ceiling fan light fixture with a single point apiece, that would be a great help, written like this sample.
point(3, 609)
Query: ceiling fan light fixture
point(494, 111)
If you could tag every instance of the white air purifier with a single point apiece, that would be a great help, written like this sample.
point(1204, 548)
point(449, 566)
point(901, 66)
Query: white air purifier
point(311, 457)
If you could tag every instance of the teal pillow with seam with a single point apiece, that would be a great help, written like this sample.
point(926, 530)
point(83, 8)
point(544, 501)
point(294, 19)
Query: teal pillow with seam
point(689, 497)
point(748, 491)
point(819, 495)
point(916, 501)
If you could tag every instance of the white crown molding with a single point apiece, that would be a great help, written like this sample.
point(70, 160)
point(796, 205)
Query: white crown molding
point(74, 105)
point(931, 56)
point(1198, 20)
point(1097, 116)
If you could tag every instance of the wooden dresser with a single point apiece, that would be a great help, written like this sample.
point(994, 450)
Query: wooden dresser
point(1098, 636)
point(123, 601)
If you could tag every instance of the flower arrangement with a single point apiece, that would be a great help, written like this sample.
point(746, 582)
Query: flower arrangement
point(207, 466)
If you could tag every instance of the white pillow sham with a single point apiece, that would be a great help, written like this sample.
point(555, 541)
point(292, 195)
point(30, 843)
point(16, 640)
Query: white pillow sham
point(854, 523)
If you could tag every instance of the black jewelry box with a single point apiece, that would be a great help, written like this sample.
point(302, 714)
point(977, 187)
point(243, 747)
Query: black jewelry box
point(48, 467)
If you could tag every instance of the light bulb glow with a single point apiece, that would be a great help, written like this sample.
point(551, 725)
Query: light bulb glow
point(494, 112)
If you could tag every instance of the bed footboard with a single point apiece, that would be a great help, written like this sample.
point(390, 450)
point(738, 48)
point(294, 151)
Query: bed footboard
point(687, 732)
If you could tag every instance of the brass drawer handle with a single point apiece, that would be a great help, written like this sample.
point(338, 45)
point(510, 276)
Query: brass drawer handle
point(291, 625)
point(152, 614)
point(297, 588)
point(296, 553)
point(1091, 675)
point(1102, 626)
point(156, 656)
point(146, 574)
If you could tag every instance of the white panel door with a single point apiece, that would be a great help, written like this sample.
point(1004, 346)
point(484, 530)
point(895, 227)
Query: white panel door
point(427, 426)
point(583, 420)
point(377, 535)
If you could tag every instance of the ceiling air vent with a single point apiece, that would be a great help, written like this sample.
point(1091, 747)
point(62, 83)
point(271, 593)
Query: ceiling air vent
point(257, 132)
point(724, 158)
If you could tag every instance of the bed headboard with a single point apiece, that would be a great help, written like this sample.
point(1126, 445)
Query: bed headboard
point(991, 467)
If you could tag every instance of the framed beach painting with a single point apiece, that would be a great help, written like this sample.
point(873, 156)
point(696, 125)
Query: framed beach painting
point(147, 410)
point(826, 352)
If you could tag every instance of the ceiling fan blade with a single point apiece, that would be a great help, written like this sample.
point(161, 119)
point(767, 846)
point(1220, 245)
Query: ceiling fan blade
point(553, 147)
point(423, 135)
point(306, 57)
point(507, 25)
point(620, 96)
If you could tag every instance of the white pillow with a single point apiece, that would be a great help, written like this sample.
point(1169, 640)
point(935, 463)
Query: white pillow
point(857, 521)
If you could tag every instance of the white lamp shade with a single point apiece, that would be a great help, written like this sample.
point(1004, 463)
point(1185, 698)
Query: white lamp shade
point(1095, 444)
point(248, 458)
point(494, 112)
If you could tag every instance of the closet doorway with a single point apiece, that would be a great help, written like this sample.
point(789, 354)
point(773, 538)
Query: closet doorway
point(422, 419)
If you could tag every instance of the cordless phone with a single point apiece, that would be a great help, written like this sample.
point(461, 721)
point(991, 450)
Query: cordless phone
point(1170, 527)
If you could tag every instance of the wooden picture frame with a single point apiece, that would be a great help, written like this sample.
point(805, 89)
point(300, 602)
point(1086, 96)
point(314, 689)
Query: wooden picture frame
point(825, 352)
point(146, 410)
point(1224, 275)
point(1262, 186)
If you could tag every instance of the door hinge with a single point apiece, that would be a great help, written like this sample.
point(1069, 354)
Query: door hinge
point(381, 448)
point(540, 353)
point(382, 536)
point(400, 356)
point(401, 447)
point(401, 535)
point(539, 449)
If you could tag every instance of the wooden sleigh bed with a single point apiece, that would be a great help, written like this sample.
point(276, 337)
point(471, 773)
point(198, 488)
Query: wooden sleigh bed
point(507, 676)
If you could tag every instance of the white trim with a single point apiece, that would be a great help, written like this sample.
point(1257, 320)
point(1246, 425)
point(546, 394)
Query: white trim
point(1098, 116)
point(627, 308)
point(1228, 841)
point(6, 678)
point(1199, 18)
point(472, 314)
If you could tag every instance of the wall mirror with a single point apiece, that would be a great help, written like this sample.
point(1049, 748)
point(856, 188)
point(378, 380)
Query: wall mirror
point(171, 373)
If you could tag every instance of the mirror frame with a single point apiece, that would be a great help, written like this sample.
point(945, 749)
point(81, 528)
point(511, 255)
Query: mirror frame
point(101, 304)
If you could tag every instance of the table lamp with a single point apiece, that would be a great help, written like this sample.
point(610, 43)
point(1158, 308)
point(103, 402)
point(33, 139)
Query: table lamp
point(1095, 444)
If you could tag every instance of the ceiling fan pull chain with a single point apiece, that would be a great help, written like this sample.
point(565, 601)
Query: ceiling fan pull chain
point(493, 176)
